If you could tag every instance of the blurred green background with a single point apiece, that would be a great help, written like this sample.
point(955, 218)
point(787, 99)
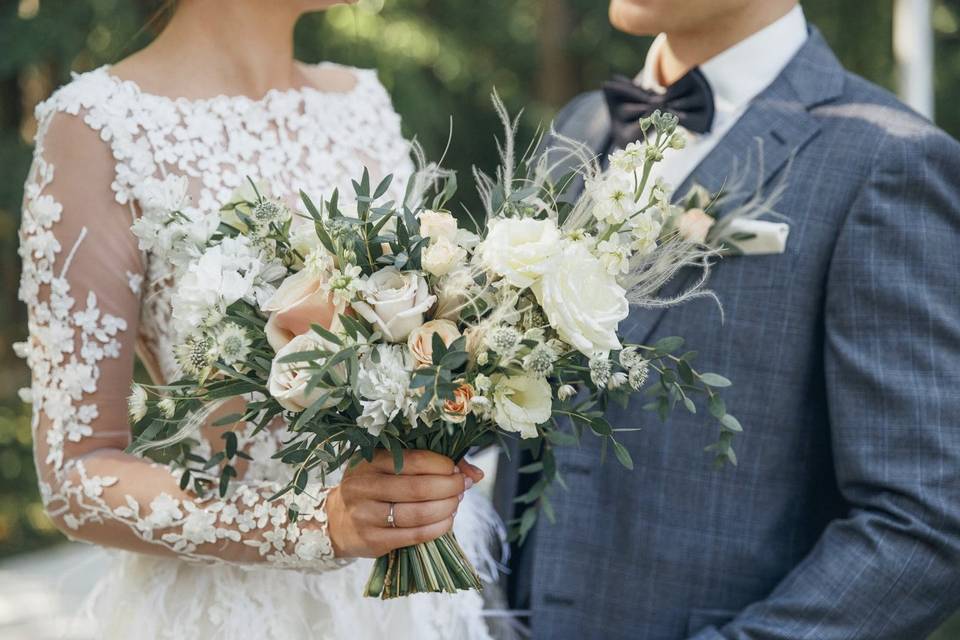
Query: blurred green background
point(438, 57)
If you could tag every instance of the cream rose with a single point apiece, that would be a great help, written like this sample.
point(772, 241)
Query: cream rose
point(694, 225)
point(288, 381)
point(394, 302)
point(438, 224)
point(301, 300)
point(520, 250)
point(583, 302)
point(441, 257)
point(520, 403)
point(420, 340)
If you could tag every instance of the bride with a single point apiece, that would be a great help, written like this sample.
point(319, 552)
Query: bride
point(216, 98)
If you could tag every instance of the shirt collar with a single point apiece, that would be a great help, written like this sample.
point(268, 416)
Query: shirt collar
point(740, 73)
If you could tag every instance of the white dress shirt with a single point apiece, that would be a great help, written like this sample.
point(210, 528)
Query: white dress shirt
point(736, 76)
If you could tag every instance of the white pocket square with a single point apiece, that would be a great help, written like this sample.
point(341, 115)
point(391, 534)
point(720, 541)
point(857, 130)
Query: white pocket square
point(769, 238)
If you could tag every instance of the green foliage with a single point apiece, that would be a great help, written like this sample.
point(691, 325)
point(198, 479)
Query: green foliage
point(438, 57)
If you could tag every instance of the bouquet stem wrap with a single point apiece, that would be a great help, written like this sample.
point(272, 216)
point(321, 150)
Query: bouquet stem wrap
point(431, 567)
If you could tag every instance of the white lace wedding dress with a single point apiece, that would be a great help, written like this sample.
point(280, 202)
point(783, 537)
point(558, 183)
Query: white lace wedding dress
point(211, 568)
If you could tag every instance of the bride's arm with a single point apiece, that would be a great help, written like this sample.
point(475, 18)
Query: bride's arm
point(82, 275)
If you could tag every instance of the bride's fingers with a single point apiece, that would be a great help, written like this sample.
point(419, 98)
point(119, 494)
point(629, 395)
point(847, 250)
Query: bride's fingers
point(392, 488)
point(415, 462)
point(412, 514)
point(472, 471)
point(389, 539)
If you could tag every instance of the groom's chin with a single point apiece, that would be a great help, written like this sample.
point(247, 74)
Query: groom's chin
point(637, 17)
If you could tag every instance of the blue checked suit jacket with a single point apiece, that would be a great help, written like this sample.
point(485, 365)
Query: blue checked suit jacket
point(842, 520)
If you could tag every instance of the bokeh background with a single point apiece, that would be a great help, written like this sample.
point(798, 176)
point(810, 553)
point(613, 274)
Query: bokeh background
point(438, 57)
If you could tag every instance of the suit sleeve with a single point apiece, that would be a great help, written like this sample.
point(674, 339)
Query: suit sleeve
point(889, 569)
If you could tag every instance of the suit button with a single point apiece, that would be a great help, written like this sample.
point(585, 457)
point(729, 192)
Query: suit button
point(575, 469)
point(559, 601)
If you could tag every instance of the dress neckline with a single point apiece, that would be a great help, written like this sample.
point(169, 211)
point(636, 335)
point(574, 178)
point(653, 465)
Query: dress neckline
point(270, 95)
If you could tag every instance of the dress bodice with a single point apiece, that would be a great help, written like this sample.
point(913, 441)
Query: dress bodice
point(106, 151)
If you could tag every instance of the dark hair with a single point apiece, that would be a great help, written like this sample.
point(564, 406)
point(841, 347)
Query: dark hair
point(154, 25)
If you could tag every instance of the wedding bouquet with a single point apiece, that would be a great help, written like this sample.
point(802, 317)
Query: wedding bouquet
point(370, 325)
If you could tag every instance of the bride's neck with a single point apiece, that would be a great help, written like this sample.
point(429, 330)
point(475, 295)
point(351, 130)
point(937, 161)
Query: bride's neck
point(240, 47)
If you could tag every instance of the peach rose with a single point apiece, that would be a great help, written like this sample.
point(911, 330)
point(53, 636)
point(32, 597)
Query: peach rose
point(456, 410)
point(694, 225)
point(420, 341)
point(301, 300)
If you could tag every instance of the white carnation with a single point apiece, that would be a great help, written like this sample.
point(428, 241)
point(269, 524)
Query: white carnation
point(383, 386)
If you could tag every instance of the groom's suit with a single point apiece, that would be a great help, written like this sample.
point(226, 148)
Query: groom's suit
point(842, 520)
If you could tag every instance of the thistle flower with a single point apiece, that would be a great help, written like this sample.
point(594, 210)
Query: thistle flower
point(539, 361)
point(630, 357)
point(195, 354)
point(503, 340)
point(600, 369)
point(233, 345)
point(638, 375)
point(267, 212)
point(167, 407)
point(137, 403)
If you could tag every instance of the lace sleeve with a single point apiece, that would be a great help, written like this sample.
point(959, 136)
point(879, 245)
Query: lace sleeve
point(82, 272)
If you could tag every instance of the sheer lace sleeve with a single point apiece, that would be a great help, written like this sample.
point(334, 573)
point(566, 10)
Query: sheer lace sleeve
point(82, 276)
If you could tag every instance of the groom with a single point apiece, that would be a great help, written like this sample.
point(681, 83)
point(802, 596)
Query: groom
point(842, 519)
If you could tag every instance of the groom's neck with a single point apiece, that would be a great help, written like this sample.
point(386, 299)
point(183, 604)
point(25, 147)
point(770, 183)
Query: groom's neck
point(687, 48)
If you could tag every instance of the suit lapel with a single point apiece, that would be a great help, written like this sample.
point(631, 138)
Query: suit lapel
point(775, 127)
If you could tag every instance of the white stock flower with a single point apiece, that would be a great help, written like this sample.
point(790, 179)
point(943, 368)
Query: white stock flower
point(613, 196)
point(645, 230)
point(394, 302)
point(288, 381)
point(438, 225)
point(614, 255)
point(628, 159)
point(383, 386)
point(520, 403)
point(583, 302)
point(521, 250)
point(344, 284)
point(441, 257)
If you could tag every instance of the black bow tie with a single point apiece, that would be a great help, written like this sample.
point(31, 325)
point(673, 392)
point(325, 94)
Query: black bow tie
point(689, 98)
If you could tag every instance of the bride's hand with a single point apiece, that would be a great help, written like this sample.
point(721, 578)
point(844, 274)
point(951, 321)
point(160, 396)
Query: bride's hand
point(425, 496)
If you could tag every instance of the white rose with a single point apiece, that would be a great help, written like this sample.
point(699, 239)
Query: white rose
point(288, 381)
point(441, 257)
point(438, 224)
point(520, 250)
point(394, 302)
point(583, 302)
point(520, 403)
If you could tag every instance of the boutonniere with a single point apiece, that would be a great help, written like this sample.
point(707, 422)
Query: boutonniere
point(699, 218)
